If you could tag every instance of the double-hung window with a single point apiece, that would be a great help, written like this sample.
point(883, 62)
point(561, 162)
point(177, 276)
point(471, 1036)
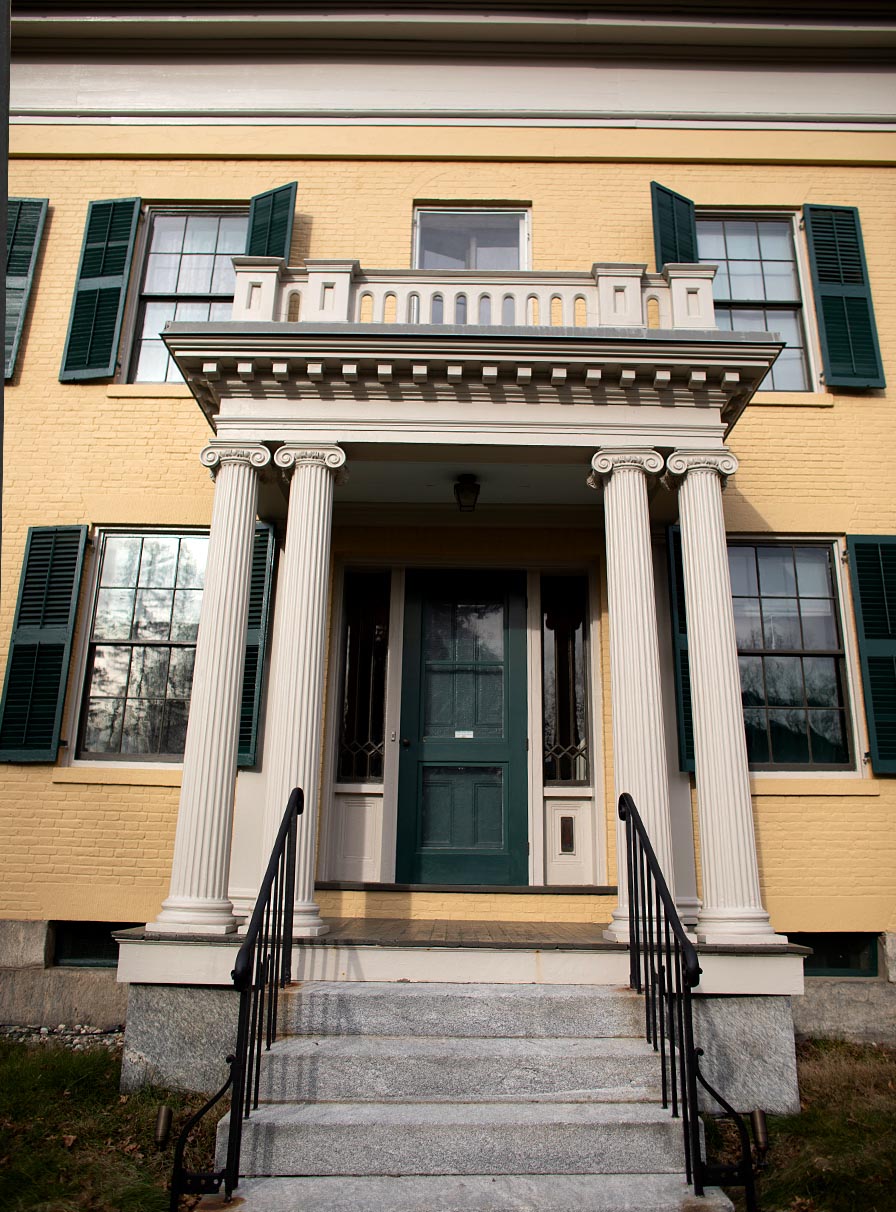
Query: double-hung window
point(142, 645)
point(187, 275)
point(757, 288)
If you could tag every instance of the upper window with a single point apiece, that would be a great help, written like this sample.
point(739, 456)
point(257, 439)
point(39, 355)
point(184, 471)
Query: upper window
point(791, 655)
point(187, 275)
point(142, 645)
point(470, 239)
point(757, 288)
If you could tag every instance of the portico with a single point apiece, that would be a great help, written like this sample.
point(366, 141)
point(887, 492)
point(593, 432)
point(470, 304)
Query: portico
point(297, 405)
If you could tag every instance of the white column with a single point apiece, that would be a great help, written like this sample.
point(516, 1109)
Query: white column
point(198, 901)
point(296, 703)
point(639, 746)
point(732, 909)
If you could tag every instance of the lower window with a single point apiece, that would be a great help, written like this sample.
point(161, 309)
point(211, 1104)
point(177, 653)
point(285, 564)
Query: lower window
point(86, 944)
point(838, 954)
point(791, 655)
point(142, 645)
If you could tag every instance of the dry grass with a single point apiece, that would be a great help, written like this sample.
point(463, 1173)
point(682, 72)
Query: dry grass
point(839, 1154)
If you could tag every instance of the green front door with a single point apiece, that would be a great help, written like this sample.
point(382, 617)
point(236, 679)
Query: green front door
point(462, 801)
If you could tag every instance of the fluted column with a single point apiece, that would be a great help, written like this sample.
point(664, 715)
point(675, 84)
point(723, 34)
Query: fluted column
point(295, 711)
point(639, 746)
point(198, 901)
point(732, 909)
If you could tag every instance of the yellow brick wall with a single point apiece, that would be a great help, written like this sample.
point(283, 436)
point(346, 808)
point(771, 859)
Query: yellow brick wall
point(99, 454)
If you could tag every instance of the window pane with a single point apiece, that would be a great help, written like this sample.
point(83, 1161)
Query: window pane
point(152, 614)
point(180, 673)
point(155, 317)
point(822, 686)
point(564, 603)
point(149, 669)
point(174, 727)
point(710, 240)
point(142, 726)
point(774, 240)
point(365, 639)
point(776, 571)
point(827, 733)
point(757, 737)
point(201, 234)
point(161, 273)
point(784, 681)
point(121, 558)
point(742, 239)
point(469, 239)
point(195, 274)
point(789, 372)
point(167, 233)
point(152, 363)
point(109, 676)
point(786, 324)
point(232, 234)
point(747, 623)
point(191, 311)
point(752, 687)
point(185, 615)
point(781, 623)
point(114, 610)
point(780, 280)
point(102, 730)
point(789, 736)
point(721, 286)
point(191, 562)
point(746, 280)
point(157, 568)
point(742, 567)
point(224, 276)
point(819, 625)
point(813, 572)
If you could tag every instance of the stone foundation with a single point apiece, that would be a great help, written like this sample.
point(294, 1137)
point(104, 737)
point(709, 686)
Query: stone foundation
point(179, 1036)
point(749, 1054)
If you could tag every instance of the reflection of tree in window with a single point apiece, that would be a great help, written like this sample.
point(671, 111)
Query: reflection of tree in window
point(564, 611)
point(364, 650)
point(143, 640)
point(790, 655)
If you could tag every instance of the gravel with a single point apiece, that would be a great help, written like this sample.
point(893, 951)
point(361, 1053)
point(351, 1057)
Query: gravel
point(77, 1036)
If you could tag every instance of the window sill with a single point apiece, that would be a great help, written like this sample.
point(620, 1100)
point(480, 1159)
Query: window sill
point(794, 399)
point(130, 776)
point(813, 785)
point(143, 391)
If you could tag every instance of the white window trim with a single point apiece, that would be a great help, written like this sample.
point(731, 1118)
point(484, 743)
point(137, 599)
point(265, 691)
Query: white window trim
point(794, 216)
point(474, 208)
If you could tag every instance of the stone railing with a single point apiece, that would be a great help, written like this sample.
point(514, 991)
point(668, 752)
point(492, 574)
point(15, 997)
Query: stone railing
point(615, 296)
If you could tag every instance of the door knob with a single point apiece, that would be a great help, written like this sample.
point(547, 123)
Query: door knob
point(405, 742)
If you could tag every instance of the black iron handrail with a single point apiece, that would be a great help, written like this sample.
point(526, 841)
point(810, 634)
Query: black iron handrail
point(263, 967)
point(665, 968)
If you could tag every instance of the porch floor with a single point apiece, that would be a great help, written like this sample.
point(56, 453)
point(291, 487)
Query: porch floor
point(447, 932)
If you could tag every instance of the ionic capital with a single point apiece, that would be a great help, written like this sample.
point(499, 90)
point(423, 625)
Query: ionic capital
point(291, 455)
point(608, 460)
point(218, 453)
point(722, 462)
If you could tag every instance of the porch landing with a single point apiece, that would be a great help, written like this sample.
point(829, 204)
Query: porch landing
point(451, 932)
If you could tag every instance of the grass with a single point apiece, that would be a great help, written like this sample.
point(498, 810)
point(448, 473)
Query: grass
point(839, 1153)
point(70, 1142)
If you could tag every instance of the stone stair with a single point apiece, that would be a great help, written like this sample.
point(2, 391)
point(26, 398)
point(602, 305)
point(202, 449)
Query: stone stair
point(462, 1098)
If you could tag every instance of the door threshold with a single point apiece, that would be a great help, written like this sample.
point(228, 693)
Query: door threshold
point(507, 889)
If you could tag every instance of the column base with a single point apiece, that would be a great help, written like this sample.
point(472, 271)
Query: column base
point(737, 927)
point(183, 915)
point(307, 922)
point(618, 929)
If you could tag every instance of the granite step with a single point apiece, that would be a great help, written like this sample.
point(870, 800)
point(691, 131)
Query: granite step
point(474, 1193)
point(474, 1010)
point(430, 1068)
point(459, 1138)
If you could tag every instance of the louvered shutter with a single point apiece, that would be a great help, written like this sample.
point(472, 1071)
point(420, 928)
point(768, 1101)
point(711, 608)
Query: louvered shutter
point(680, 650)
point(256, 642)
point(36, 672)
point(674, 226)
point(25, 218)
point(872, 562)
point(849, 344)
point(94, 329)
point(270, 222)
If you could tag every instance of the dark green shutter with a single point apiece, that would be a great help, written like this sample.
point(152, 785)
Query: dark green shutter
point(256, 641)
point(25, 219)
point(872, 562)
point(94, 329)
point(843, 304)
point(36, 672)
point(674, 226)
point(680, 650)
point(270, 222)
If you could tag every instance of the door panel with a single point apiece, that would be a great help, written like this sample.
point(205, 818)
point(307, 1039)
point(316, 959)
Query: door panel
point(462, 801)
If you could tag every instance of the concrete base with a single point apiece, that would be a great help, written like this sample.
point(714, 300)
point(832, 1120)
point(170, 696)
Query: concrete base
point(859, 1009)
point(46, 997)
point(179, 1036)
point(749, 1054)
point(24, 944)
